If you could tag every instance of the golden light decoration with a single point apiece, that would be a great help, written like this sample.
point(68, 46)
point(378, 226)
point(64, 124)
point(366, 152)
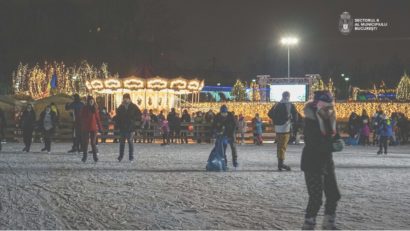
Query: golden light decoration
point(97, 84)
point(112, 83)
point(343, 110)
point(178, 83)
point(88, 85)
point(157, 83)
point(36, 81)
point(194, 85)
point(133, 83)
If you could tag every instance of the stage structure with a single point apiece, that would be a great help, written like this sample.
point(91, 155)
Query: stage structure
point(301, 88)
point(156, 93)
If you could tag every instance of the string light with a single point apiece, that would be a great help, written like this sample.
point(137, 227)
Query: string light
point(248, 109)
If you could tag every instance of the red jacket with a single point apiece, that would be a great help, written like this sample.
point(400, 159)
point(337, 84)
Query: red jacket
point(90, 121)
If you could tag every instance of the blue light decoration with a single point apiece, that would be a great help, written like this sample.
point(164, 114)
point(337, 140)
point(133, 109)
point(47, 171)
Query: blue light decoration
point(53, 82)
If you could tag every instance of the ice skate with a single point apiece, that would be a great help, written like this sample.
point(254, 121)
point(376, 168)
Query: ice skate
point(309, 223)
point(329, 222)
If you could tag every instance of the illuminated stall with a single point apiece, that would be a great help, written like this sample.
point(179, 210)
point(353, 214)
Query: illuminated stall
point(151, 93)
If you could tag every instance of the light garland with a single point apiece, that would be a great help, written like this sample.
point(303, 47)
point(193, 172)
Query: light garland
point(248, 109)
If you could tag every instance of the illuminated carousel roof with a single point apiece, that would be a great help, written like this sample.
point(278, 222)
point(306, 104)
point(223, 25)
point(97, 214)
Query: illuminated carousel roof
point(157, 83)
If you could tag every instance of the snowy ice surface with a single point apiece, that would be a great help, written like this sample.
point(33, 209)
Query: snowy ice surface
point(168, 188)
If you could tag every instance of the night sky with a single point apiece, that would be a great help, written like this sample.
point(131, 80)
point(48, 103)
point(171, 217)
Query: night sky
point(218, 40)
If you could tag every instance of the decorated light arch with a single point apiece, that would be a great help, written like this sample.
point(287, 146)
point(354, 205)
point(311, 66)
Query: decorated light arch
point(148, 93)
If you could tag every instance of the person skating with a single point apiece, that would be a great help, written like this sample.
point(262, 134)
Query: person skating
point(145, 125)
point(224, 122)
point(164, 127)
point(2, 126)
point(257, 124)
point(47, 124)
point(27, 123)
point(127, 116)
point(76, 107)
point(172, 121)
point(385, 132)
point(283, 114)
point(90, 124)
point(186, 119)
point(317, 161)
point(105, 123)
point(242, 128)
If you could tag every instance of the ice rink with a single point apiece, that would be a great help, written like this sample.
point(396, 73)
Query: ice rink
point(168, 188)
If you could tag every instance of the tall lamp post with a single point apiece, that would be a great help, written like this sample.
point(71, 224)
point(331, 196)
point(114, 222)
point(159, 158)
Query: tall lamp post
point(289, 41)
point(347, 78)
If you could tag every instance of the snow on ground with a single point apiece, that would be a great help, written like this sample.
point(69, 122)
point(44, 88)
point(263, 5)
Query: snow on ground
point(167, 188)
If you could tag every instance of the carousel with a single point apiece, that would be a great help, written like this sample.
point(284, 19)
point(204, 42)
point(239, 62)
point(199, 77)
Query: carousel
point(155, 93)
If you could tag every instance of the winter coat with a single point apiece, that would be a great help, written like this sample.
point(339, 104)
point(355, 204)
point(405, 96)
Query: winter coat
point(145, 121)
point(2, 119)
point(90, 121)
point(283, 117)
point(258, 126)
point(172, 119)
point(317, 152)
point(228, 123)
point(365, 130)
point(28, 120)
point(386, 128)
point(164, 126)
point(242, 125)
point(186, 118)
point(105, 119)
point(53, 119)
point(76, 106)
point(127, 118)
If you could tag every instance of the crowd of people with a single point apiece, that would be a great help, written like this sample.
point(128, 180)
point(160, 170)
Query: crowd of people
point(393, 130)
point(319, 122)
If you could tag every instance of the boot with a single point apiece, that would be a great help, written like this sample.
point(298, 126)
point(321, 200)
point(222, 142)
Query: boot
point(282, 166)
point(309, 223)
point(95, 157)
point(84, 159)
point(329, 222)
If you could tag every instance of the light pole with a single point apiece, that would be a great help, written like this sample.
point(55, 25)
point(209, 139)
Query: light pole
point(289, 41)
point(347, 78)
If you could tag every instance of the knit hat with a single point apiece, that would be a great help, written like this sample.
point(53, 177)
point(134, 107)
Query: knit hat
point(324, 96)
point(224, 108)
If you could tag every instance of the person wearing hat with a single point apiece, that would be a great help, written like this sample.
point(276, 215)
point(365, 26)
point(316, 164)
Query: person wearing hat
point(127, 116)
point(317, 161)
point(283, 114)
point(76, 107)
point(224, 122)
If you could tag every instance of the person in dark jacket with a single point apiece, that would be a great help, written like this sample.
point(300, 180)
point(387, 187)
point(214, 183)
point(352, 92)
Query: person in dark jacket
point(172, 121)
point(283, 115)
point(75, 108)
point(317, 161)
point(185, 118)
point(90, 124)
point(2, 126)
point(224, 122)
point(105, 122)
point(154, 122)
point(27, 123)
point(47, 124)
point(385, 131)
point(127, 116)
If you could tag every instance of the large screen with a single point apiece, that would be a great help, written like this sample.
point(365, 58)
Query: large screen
point(297, 92)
